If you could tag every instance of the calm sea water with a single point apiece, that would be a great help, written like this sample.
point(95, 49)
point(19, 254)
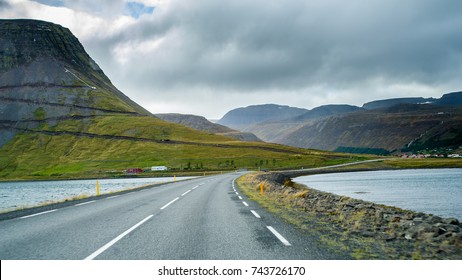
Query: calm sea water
point(433, 191)
point(25, 194)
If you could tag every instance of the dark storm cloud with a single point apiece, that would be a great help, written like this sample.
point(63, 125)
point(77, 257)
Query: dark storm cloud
point(253, 45)
point(300, 52)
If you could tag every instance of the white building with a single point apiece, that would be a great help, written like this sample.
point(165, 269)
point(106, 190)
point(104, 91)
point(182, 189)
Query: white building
point(159, 168)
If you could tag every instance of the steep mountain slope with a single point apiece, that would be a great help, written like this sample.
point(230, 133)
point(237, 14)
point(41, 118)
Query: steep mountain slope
point(241, 118)
point(402, 127)
point(202, 124)
point(44, 63)
point(61, 117)
point(46, 75)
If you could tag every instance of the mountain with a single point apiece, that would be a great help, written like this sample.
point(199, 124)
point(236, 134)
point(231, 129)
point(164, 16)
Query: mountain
point(380, 127)
point(276, 130)
point(46, 75)
point(405, 127)
point(61, 117)
point(449, 99)
point(327, 110)
point(241, 118)
point(202, 124)
point(377, 104)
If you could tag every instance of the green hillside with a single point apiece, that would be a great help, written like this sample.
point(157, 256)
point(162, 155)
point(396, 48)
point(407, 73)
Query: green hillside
point(61, 117)
point(104, 146)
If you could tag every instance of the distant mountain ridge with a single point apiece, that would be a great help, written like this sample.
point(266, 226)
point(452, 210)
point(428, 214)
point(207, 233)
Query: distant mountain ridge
point(202, 124)
point(241, 118)
point(391, 125)
point(449, 99)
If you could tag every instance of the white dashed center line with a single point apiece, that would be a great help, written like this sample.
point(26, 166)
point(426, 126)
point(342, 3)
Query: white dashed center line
point(185, 193)
point(279, 236)
point(255, 214)
point(240, 197)
point(115, 240)
point(245, 203)
point(166, 205)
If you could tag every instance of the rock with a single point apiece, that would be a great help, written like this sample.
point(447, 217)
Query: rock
point(408, 236)
point(442, 230)
point(451, 221)
point(424, 227)
point(435, 219)
point(367, 233)
point(452, 228)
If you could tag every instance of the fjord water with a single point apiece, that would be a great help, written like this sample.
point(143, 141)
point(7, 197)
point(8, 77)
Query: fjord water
point(432, 191)
point(26, 194)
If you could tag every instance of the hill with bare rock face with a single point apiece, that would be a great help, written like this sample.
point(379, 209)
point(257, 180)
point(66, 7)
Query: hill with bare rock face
point(61, 117)
point(46, 75)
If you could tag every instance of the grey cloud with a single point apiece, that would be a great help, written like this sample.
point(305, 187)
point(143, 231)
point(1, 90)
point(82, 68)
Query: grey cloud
point(4, 4)
point(251, 45)
point(286, 46)
point(105, 8)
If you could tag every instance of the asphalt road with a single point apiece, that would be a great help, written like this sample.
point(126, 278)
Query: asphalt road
point(203, 218)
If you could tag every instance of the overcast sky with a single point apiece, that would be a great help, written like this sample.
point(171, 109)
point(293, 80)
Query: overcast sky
point(207, 57)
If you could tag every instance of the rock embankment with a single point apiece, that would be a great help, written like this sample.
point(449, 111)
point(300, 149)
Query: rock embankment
point(392, 232)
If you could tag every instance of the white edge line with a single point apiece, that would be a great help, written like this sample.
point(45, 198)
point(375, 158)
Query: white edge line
point(166, 205)
point(279, 236)
point(245, 203)
point(41, 213)
point(185, 193)
point(83, 203)
point(240, 197)
point(237, 193)
point(255, 214)
point(112, 196)
point(115, 240)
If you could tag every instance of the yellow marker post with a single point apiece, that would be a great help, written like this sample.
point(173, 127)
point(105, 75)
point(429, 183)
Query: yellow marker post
point(97, 188)
point(262, 188)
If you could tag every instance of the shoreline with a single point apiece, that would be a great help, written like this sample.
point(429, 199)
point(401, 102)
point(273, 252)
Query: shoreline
point(391, 195)
point(363, 229)
point(70, 201)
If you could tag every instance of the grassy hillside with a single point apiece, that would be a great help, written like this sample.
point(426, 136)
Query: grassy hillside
point(104, 146)
point(61, 117)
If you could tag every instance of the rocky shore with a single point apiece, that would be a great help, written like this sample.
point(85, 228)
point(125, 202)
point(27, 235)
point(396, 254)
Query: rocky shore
point(365, 229)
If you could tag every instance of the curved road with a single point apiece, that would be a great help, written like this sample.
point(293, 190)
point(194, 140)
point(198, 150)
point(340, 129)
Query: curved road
point(203, 218)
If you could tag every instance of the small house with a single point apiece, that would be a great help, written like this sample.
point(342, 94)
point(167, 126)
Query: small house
point(159, 168)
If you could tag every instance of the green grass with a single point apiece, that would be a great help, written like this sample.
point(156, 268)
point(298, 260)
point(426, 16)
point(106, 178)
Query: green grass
point(42, 156)
point(424, 163)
